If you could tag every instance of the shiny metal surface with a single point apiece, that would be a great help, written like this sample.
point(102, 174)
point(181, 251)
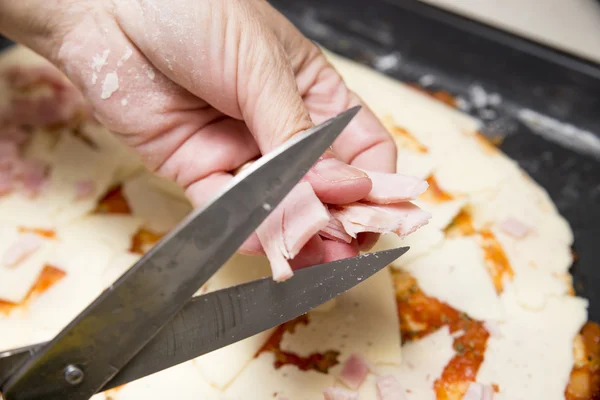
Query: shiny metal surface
point(123, 319)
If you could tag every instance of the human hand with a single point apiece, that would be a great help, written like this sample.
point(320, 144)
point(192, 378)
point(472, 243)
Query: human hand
point(200, 88)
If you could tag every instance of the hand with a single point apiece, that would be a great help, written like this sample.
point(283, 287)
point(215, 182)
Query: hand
point(199, 88)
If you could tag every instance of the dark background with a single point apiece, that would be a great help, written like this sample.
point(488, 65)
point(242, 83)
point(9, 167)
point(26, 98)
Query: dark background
point(459, 53)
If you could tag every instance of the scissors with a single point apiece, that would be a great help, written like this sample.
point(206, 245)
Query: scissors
point(148, 321)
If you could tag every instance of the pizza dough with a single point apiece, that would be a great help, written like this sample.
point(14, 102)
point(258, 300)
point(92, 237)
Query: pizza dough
point(452, 262)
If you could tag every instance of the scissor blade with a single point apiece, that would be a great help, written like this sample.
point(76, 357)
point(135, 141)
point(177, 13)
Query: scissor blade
point(223, 317)
point(123, 319)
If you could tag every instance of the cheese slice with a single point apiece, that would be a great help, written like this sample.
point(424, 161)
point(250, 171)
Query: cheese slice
point(442, 213)
point(18, 209)
point(533, 355)
point(423, 362)
point(260, 380)
point(114, 230)
point(521, 199)
point(75, 161)
point(538, 265)
point(82, 255)
point(412, 109)
point(17, 281)
point(221, 366)
point(420, 242)
point(364, 321)
point(465, 167)
point(160, 211)
point(117, 266)
point(412, 163)
point(15, 331)
point(180, 382)
point(455, 273)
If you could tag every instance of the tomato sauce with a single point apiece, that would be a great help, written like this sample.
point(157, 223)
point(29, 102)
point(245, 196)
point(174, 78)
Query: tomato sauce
point(495, 260)
point(143, 240)
point(47, 233)
point(49, 276)
point(421, 315)
point(440, 95)
point(320, 362)
point(113, 203)
point(434, 193)
point(404, 136)
point(584, 383)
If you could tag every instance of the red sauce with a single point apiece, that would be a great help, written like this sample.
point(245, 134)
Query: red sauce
point(421, 315)
point(143, 240)
point(584, 383)
point(113, 203)
point(404, 136)
point(49, 276)
point(440, 95)
point(495, 259)
point(461, 225)
point(434, 193)
point(47, 233)
point(320, 362)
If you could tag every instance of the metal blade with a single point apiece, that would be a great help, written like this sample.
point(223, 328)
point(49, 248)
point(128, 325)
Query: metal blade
point(123, 319)
point(223, 317)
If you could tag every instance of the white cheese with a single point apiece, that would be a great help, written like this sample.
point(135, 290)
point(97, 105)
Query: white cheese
point(40, 146)
point(414, 110)
point(18, 209)
point(260, 380)
point(420, 242)
point(423, 362)
point(115, 230)
point(15, 331)
point(17, 281)
point(221, 366)
point(412, 163)
point(468, 168)
point(455, 273)
point(442, 213)
point(117, 266)
point(160, 211)
point(533, 356)
point(181, 382)
point(364, 321)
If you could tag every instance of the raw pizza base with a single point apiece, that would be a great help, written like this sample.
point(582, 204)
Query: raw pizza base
point(450, 268)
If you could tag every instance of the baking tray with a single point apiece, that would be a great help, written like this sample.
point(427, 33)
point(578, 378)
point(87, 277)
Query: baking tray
point(549, 109)
point(549, 113)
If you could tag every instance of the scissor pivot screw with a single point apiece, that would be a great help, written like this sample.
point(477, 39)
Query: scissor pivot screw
point(73, 375)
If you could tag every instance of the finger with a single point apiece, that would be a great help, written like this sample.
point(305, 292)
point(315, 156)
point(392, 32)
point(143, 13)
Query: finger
point(365, 142)
point(335, 250)
point(311, 254)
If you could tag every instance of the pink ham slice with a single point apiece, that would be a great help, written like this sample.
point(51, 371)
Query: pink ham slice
point(515, 227)
point(336, 393)
point(22, 248)
point(388, 388)
point(300, 216)
point(335, 231)
point(394, 188)
point(354, 372)
point(401, 218)
point(477, 391)
point(33, 176)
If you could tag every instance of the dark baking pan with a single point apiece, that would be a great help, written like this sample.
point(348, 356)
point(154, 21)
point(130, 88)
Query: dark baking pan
point(549, 114)
point(416, 43)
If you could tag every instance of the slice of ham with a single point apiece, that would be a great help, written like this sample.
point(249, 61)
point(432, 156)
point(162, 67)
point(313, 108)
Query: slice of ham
point(401, 218)
point(84, 189)
point(515, 227)
point(394, 188)
point(300, 216)
point(336, 393)
point(335, 231)
point(354, 372)
point(22, 248)
point(477, 391)
point(388, 388)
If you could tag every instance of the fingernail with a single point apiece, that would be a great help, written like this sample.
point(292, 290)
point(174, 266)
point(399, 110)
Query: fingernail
point(334, 170)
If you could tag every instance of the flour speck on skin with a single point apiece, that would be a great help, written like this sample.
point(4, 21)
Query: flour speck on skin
point(124, 102)
point(99, 60)
point(150, 72)
point(126, 56)
point(94, 78)
point(169, 64)
point(110, 85)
